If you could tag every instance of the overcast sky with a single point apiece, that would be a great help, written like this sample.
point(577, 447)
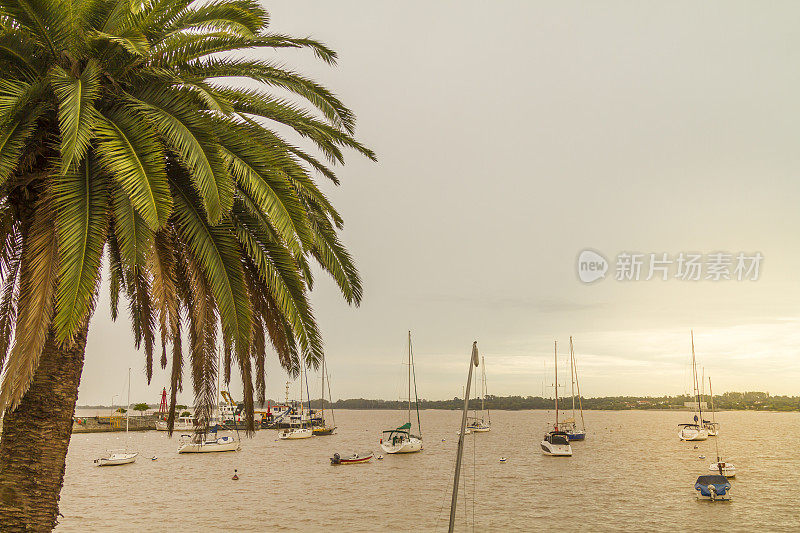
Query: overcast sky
point(513, 135)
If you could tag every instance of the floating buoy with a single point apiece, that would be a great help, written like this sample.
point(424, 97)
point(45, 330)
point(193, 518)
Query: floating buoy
point(380, 457)
point(443, 440)
point(235, 475)
point(696, 446)
point(702, 457)
point(153, 458)
point(503, 459)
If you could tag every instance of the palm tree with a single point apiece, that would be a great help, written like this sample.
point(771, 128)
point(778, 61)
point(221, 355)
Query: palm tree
point(126, 132)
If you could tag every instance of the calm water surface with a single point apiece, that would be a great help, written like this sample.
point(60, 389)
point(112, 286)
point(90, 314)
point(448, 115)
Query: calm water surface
point(631, 473)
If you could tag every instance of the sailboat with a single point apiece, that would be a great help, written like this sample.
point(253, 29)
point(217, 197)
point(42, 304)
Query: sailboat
point(556, 442)
point(483, 423)
point(569, 426)
point(325, 428)
point(694, 431)
point(301, 432)
point(710, 425)
point(125, 457)
point(723, 467)
point(401, 440)
point(208, 441)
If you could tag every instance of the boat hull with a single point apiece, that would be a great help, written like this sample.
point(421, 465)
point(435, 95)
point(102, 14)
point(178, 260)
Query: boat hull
point(556, 450)
point(117, 459)
point(324, 431)
point(223, 444)
point(689, 434)
point(411, 445)
point(479, 429)
point(351, 460)
point(728, 469)
point(295, 434)
point(576, 436)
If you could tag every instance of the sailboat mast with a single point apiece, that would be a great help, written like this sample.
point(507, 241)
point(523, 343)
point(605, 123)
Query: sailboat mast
point(128, 407)
point(323, 389)
point(711, 393)
point(577, 385)
point(572, 375)
point(555, 387)
point(483, 384)
point(696, 387)
point(409, 377)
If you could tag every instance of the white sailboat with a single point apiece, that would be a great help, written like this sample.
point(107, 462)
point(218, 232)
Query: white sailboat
point(570, 425)
point(723, 467)
point(401, 440)
point(303, 431)
point(556, 442)
point(483, 423)
point(115, 458)
point(694, 431)
point(209, 441)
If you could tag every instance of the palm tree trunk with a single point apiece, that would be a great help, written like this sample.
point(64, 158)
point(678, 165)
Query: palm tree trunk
point(35, 438)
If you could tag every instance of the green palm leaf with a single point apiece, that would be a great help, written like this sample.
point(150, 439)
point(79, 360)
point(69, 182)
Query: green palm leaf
point(130, 152)
point(76, 113)
point(81, 203)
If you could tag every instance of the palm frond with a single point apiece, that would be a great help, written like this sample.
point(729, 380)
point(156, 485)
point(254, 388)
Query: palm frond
point(131, 153)
point(35, 304)
point(82, 213)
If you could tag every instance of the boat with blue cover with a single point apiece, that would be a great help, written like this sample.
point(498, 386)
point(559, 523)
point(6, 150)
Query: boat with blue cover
point(713, 487)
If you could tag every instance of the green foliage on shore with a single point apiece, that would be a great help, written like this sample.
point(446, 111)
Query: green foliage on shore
point(756, 401)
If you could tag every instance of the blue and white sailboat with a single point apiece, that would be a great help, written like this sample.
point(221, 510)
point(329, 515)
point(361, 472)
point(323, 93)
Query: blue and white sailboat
point(570, 426)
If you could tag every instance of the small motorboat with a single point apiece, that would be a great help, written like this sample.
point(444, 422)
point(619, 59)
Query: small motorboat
point(208, 443)
point(478, 426)
point(295, 433)
point(692, 432)
point(713, 487)
point(116, 458)
point(503, 459)
point(352, 460)
point(380, 457)
point(556, 443)
point(724, 468)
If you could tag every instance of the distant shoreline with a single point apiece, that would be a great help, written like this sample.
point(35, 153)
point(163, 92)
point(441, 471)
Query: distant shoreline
point(729, 401)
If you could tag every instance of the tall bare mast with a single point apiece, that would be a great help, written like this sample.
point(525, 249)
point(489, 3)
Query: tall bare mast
point(572, 375)
point(696, 385)
point(555, 358)
point(409, 377)
point(577, 385)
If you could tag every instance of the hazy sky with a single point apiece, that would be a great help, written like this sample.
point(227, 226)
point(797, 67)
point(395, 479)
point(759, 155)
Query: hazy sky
point(511, 136)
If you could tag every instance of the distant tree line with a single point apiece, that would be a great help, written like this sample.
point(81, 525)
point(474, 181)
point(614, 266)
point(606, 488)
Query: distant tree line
point(729, 401)
point(758, 401)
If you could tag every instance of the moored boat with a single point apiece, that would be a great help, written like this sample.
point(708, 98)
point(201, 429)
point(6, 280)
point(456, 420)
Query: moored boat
point(208, 443)
point(692, 432)
point(184, 423)
point(113, 458)
point(352, 460)
point(482, 423)
point(116, 458)
point(724, 468)
point(295, 433)
point(713, 487)
point(695, 430)
point(401, 440)
point(570, 426)
point(556, 442)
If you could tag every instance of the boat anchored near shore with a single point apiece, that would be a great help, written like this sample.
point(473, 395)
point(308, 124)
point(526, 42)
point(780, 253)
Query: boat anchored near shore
point(401, 440)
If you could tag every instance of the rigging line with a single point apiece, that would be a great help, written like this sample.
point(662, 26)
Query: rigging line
point(474, 481)
point(416, 396)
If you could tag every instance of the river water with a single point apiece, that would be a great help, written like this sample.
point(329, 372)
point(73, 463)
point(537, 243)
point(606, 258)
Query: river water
point(631, 473)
